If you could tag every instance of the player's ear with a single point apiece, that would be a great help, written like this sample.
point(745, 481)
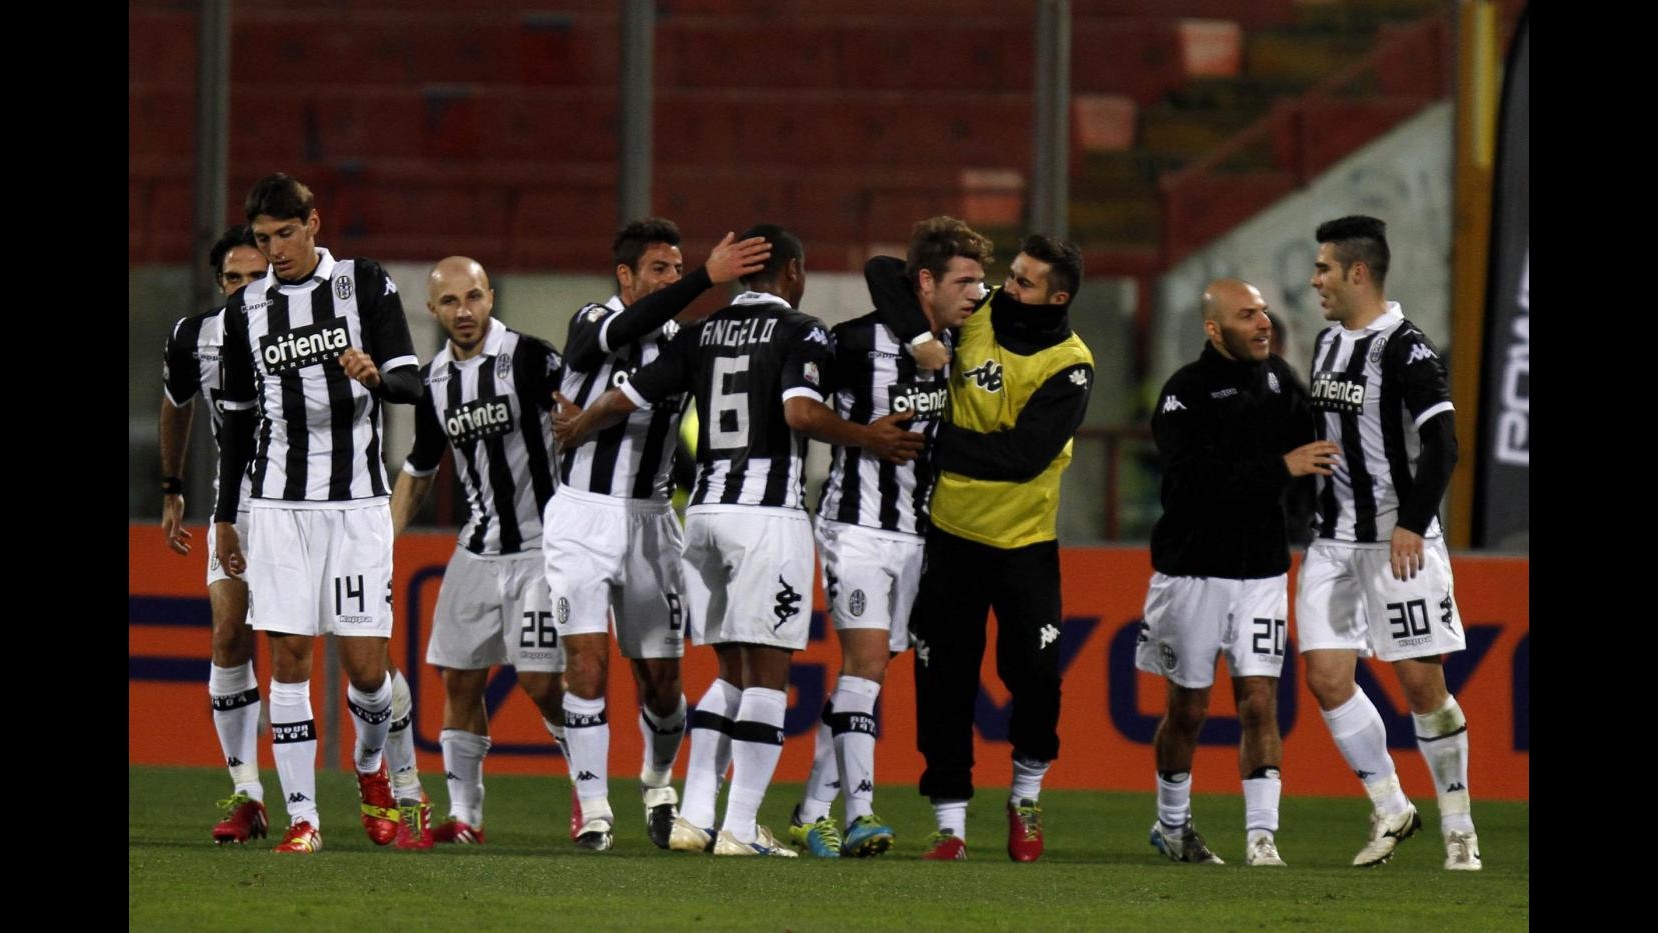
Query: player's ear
point(313, 223)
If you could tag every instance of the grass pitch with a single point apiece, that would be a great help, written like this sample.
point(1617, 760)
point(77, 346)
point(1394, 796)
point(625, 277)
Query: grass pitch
point(1098, 871)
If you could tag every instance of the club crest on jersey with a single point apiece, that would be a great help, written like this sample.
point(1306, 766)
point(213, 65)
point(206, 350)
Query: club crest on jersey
point(987, 376)
point(1333, 391)
point(342, 287)
point(304, 346)
point(1272, 382)
point(809, 373)
point(1376, 349)
point(596, 312)
point(857, 602)
point(503, 366)
point(478, 419)
point(927, 401)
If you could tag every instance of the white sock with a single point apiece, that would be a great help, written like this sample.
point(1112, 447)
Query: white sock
point(823, 784)
point(1027, 779)
point(463, 767)
point(235, 695)
point(1443, 738)
point(663, 736)
point(371, 715)
point(710, 751)
point(400, 750)
point(853, 726)
point(1362, 738)
point(1174, 798)
point(587, 731)
point(1261, 792)
point(294, 746)
point(756, 744)
point(951, 816)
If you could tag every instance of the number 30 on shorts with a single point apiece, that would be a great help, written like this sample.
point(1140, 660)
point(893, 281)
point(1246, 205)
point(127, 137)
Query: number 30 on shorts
point(1271, 636)
point(537, 630)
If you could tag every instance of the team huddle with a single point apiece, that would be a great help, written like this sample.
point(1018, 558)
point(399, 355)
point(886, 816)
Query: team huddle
point(950, 410)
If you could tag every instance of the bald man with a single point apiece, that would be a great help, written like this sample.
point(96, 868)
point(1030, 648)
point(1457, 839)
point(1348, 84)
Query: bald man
point(485, 396)
point(1234, 429)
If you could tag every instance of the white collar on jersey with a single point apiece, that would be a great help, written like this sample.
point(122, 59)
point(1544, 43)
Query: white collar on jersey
point(493, 339)
point(1389, 320)
point(614, 303)
point(324, 269)
point(756, 298)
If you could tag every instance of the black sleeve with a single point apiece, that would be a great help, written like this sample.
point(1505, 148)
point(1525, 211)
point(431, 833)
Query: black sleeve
point(1045, 425)
point(808, 360)
point(399, 385)
point(538, 371)
point(1302, 428)
point(430, 438)
point(1197, 470)
point(236, 359)
point(895, 303)
point(385, 330)
point(1434, 464)
point(1427, 386)
point(235, 450)
point(180, 373)
point(583, 348)
point(671, 372)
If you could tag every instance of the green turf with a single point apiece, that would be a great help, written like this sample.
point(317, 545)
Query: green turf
point(1098, 871)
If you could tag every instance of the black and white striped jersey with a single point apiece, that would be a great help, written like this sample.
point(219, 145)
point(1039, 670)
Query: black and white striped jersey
point(1372, 390)
point(743, 362)
point(492, 411)
point(874, 377)
point(319, 436)
point(191, 366)
point(630, 460)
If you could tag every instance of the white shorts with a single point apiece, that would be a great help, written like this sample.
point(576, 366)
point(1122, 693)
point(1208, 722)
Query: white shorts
point(748, 570)
point(1191, 620)
point(607, 557)
point(323, 571)
point(1346, 598)
point(215, 573)
point(871, 577)
point(495, 610)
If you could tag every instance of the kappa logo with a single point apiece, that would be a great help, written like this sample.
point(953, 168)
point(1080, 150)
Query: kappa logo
point(297, 797)
point(451, 776)
point(818, 335)
point(391, 287)
point(1455, 786)
point(1172, 404)
point(1050, 634)
point(987, 376)
point(342, 287)
point(921, 651)
point(233, 762)
point(1447, 612)
point(856, 603)
point(864, 787)
point(587, 776)
point(1080, 377)
point(1363, 775)
point(788, 604)
point(1421, 352)
point(834, 584)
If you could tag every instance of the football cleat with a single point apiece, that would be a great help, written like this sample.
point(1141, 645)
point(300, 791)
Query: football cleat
point(453, 830)
point(867, 836)
point(821, 838)
point(685, 837)
point(764, 844)
point(1263, 851)
point(301, 837)
point(414, 824)
point(1462, 852)
point(1183, 844)
point(380, 816)
point(1386, 832)
point(1024, 831)
point(595, 835)
point(945, 846)
point(661, 809)
point(244, 817)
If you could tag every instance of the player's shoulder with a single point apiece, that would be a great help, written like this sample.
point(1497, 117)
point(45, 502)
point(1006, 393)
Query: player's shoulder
point(1188, 380)
point(1408, 344)
point(189, 329)
point(800, 325)
point(592, 313)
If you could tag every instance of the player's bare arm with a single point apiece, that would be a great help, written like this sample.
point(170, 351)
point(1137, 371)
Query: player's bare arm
point(1317, 457)
point(407, 496)
point(174, 430)
point(573, 425)
point(885, 437)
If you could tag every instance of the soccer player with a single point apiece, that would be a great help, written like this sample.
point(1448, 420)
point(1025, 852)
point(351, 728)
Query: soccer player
point(486, 396)
point(1377, 580)
point(190, 370)
point(319, 345)
point(1234, 428)
point(613, 542)
point(759, 369)
point(1019, 387)
point(871, 527)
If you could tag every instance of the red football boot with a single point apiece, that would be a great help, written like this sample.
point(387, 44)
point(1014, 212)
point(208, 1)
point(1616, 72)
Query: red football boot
point(1024, 831)
point(380, 817)
point(302, 837)
point(946, 847)
point(244, 818)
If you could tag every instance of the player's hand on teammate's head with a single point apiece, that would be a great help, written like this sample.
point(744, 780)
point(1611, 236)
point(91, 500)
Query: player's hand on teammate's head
point(891, 441)
point(932, 355)
point(732, 260)
point(360, 366)
point(229, 549)
point(172, 523)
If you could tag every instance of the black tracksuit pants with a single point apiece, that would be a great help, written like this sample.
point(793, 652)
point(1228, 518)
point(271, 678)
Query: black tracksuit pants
point(961, 582)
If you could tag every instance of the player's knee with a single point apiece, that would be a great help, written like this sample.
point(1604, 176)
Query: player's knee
point(1257, 711)
point(1331, 687)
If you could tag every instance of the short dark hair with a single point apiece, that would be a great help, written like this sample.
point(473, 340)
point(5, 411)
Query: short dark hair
point(280, 196)
point(784, 247)
point(632, 240)
point(1064, 258)
point(239, 235)
point(1358, 238)
point(937, 240)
